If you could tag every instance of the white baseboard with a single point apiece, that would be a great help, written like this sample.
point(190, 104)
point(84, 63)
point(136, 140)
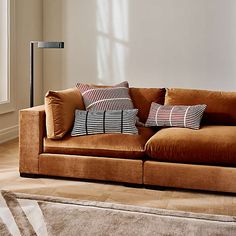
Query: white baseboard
point(9, 133)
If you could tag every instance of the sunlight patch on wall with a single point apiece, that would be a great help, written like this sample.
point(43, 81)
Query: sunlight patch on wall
point(103, 15)
point(120, 54)
point(103, 57)
point(112, 40)
point(120, 19)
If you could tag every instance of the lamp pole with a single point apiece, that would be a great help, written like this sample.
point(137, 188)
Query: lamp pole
point(31, 73)
point(40, 44)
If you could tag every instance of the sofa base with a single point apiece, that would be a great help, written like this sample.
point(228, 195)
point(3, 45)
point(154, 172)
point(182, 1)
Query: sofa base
point(26, 175)
point(133, 173)
point(92, 168)
point(129, 185)
point(187, 176)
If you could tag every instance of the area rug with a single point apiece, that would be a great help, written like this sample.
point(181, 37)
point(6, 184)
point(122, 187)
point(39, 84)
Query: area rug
point(25, 214)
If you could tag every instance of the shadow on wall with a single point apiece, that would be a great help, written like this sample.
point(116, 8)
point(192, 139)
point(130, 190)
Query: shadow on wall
point(172, 43)
point(154, 43)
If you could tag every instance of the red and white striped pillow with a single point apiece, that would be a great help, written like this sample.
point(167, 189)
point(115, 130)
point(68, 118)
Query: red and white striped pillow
point(114, 98)
point(175, 116)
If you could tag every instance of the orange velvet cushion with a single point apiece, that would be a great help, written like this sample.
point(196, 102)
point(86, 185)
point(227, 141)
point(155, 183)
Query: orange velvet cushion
point(60, 108)
point(143, 97)
point(213, 144)
point(105, 145)
point(220, 105)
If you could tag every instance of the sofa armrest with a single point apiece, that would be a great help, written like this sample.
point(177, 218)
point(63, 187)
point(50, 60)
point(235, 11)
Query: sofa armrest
point(31, 134)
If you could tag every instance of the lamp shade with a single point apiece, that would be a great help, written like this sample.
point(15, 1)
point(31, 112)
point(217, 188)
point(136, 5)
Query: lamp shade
point(44, 44)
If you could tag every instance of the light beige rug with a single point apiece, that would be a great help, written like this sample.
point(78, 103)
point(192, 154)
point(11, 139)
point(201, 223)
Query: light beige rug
point(24, 214)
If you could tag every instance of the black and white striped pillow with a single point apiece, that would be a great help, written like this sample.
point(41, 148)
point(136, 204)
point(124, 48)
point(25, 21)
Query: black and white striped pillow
point(175, 116)
point(105, 122)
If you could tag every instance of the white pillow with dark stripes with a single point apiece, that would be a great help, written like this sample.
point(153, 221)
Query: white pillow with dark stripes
point(114, 98)
point(175, 116)
point(105, 122)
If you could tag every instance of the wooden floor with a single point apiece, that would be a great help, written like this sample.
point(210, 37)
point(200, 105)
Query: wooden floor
point(183, 200)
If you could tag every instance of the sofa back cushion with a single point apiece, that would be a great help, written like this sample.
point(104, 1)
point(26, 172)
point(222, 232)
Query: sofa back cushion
point(220, 105)
point(143, 97)
point(60, 109)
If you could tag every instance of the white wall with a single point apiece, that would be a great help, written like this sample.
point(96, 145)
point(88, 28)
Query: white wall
point(28, 26)
point(152, 43)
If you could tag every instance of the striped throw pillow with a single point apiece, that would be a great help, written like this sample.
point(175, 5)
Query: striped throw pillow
point(105, 122)
point(114, 98)
point(175, 116)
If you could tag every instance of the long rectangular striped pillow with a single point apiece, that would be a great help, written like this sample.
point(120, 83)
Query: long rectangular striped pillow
point(114, 98)
point(175, 116)
point(105, 122)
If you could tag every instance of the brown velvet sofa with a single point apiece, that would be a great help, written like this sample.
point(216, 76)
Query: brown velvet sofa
point(203, 159)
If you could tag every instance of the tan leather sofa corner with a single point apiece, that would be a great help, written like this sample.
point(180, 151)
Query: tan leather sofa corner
point(204, 159)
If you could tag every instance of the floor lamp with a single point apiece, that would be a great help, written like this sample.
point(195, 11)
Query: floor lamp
point(39, 44)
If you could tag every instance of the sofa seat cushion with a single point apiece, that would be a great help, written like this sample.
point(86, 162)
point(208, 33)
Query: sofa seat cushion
point(105, 145)
point(213, 145)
